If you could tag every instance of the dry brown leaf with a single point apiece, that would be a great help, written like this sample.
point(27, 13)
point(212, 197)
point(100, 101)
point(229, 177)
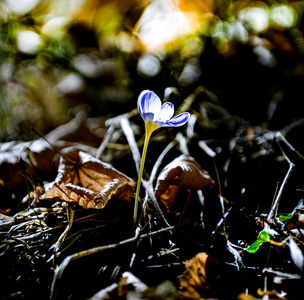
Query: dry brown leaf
point(33, 156)
point(184, 171)
point(244, 296)
point(201, 278)
point(272, 293)
point(89, 182)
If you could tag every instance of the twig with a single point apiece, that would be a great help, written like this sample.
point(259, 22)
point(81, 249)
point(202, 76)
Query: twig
point(7, 238)
point(188, 102)
point(113, 123)
point(70, 217)
point(190, 132)
point(279, 137)
point(59, 270)
point(54, 148)
point(212, 154)
point(125, 125)
point(105, 141)
point(182, 144)
point(160, 159)
point(274, 208)
point(148, 186)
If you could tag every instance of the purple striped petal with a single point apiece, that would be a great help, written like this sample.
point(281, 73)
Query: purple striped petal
point(151, 109)
point(149, 105)
point(177, 121)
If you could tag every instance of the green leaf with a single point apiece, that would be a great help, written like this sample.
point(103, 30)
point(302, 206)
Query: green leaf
point(262, 238)
point(285, 218)
point(254, 247)
point(289, 216)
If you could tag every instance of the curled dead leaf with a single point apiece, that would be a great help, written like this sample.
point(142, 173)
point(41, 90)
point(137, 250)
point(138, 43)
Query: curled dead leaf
point(31, 159)
point(201, 278)
point(184, 171)
point(88, 181)
point(33, 156)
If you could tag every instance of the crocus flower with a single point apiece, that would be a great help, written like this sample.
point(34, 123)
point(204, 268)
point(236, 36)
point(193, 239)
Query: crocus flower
point(155, 115)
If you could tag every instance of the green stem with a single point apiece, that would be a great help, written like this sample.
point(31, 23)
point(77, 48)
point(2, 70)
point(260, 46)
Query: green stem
point(143, 158)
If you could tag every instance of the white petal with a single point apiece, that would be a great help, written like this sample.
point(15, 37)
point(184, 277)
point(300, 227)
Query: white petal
point(166, 112)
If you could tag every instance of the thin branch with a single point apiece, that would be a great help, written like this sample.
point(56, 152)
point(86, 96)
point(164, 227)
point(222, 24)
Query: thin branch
point(70, 217)
point(105, 141)
point(113, 123)
point(54, 148)
point(280, 138)
point(274, 208)
point(59, 270)
point(125, 125)
point(160, 159)
point(149, 188)
point(182, 144)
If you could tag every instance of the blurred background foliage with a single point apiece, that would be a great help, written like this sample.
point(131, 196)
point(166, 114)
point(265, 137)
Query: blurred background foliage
point(59, 57)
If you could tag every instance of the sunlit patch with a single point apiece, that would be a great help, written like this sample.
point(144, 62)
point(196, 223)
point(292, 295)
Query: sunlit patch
point(191, 73)
point(283, 15)
point(125, 41)
point(6, 71)
point(88, 64)
point(220, 37)
point(238, 32)
point(72, 83)
point(264, 56)
point(255, 18)
point(55, 27)
point(148, 65)
point(193, 46)
point(163, 22)
point(92, 65)
point(29, 42)
point(20, 7)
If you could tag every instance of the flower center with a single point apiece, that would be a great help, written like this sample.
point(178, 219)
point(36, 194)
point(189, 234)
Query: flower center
point(150, 126)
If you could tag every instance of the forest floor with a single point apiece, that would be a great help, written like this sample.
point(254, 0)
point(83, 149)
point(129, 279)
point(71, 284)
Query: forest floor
point(221, 210)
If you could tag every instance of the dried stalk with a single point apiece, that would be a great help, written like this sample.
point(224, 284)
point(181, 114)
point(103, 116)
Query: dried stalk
point(149, 189)
point(59, 270)
point(160, 159)
point(273, 212)
point(274, 209)
point(125, 125)
point(105, 141)
point(70, 217)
